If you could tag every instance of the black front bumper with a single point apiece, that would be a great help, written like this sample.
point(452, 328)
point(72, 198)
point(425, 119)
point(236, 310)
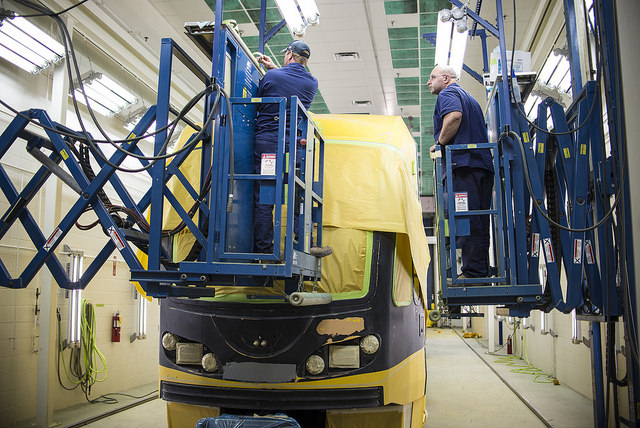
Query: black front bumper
point(272, 399)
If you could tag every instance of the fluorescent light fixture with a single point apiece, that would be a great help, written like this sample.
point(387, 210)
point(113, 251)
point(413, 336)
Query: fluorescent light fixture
point(291, 14)
point(142, 318)
point(458, 48)
point(549, 67)
point(561, 70)
point(299, 14)
point(75, 299)
point(451, 40)
point(575, 328)
point(105, 96)
point(443, 37)
point(309, 11)
point(28, 47)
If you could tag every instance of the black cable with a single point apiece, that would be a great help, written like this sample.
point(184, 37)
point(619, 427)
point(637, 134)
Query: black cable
point(538, 206)
point(107, 399)
point(60, 350)
point(526, 166)
point(56, 13)
point(95, 120)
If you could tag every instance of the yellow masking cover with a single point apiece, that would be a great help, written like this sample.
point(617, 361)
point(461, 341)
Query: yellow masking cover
point(370, 180)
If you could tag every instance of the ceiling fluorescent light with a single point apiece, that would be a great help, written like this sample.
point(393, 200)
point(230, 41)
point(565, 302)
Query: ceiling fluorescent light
point(309, 11)
point(451, 42)
point(291, 14)
point(105, 96)
point(443, 37)
point(458, 48)
point(28, 47)
point(299, 14)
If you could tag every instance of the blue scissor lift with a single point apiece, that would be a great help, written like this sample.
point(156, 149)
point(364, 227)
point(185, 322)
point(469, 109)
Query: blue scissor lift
point(222, 197)
point(552, 208)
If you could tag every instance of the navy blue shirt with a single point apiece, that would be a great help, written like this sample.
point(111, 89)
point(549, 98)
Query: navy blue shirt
point(472, 127)
point(292, 80)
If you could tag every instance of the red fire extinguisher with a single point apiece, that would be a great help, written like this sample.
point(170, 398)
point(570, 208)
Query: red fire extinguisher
point(509, 350)
point(115, 328)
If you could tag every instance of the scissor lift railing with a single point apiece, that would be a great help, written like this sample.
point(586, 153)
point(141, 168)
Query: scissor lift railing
point(224, 259)
point(496, 289)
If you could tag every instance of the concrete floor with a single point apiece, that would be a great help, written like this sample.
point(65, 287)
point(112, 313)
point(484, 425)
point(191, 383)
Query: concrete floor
point(462, 391)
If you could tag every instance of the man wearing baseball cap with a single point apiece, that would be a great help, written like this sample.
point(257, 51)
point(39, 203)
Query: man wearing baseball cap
point(291, 80)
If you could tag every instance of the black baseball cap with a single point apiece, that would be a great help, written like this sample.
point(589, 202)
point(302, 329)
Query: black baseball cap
point(299, 47)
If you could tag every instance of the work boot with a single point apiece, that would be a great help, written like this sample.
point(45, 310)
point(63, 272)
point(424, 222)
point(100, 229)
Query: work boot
point(320, 251)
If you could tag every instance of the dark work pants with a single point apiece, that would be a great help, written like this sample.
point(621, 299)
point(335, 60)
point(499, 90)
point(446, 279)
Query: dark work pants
point(263, 213)
point(478, 183)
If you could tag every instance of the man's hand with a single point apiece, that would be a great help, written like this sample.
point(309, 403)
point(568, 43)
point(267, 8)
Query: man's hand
point(303, 142)
point(432, 149)
point(266, 61)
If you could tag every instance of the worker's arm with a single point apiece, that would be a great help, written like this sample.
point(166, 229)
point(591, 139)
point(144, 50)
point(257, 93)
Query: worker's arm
point(450, 125)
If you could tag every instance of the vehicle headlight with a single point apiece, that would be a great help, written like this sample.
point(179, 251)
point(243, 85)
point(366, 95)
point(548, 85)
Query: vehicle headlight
point(209, 362)
point(169, 341)
point(315, 364)
point(370, 344)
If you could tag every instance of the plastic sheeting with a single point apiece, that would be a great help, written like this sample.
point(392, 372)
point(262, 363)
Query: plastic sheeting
point(370, 180)
point(231, 421)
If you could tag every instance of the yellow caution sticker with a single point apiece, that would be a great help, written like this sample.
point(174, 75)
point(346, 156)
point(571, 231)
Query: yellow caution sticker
point(64, 154)
point(525, 137)
point(583, 149)
point(540, 147)
point(244, 92)
point(472, 146)
point(256, 100)
point(567, 154)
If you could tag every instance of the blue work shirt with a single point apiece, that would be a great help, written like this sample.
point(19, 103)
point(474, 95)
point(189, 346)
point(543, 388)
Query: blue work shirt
point(472, 130)
point(292, 80)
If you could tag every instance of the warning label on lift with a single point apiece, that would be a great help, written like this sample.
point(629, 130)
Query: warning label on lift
point(52, 239)
point(548, 250)
point(577, 251)
point(116, 238)
point(588, 252)
point(535, 245)
point(268, 164)
point(462, 201)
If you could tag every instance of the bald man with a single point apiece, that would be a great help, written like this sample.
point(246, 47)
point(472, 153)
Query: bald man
point(458, 119)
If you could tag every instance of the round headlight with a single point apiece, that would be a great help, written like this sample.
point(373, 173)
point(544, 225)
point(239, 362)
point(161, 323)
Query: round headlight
point(169, 341)
point(315, 364)
point(209, 362)
point(370, 344)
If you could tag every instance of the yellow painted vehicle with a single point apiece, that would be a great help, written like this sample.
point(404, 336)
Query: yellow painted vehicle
point(356, 361)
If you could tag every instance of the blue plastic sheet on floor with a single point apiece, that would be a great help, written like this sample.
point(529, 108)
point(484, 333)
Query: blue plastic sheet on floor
point(231, 421)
